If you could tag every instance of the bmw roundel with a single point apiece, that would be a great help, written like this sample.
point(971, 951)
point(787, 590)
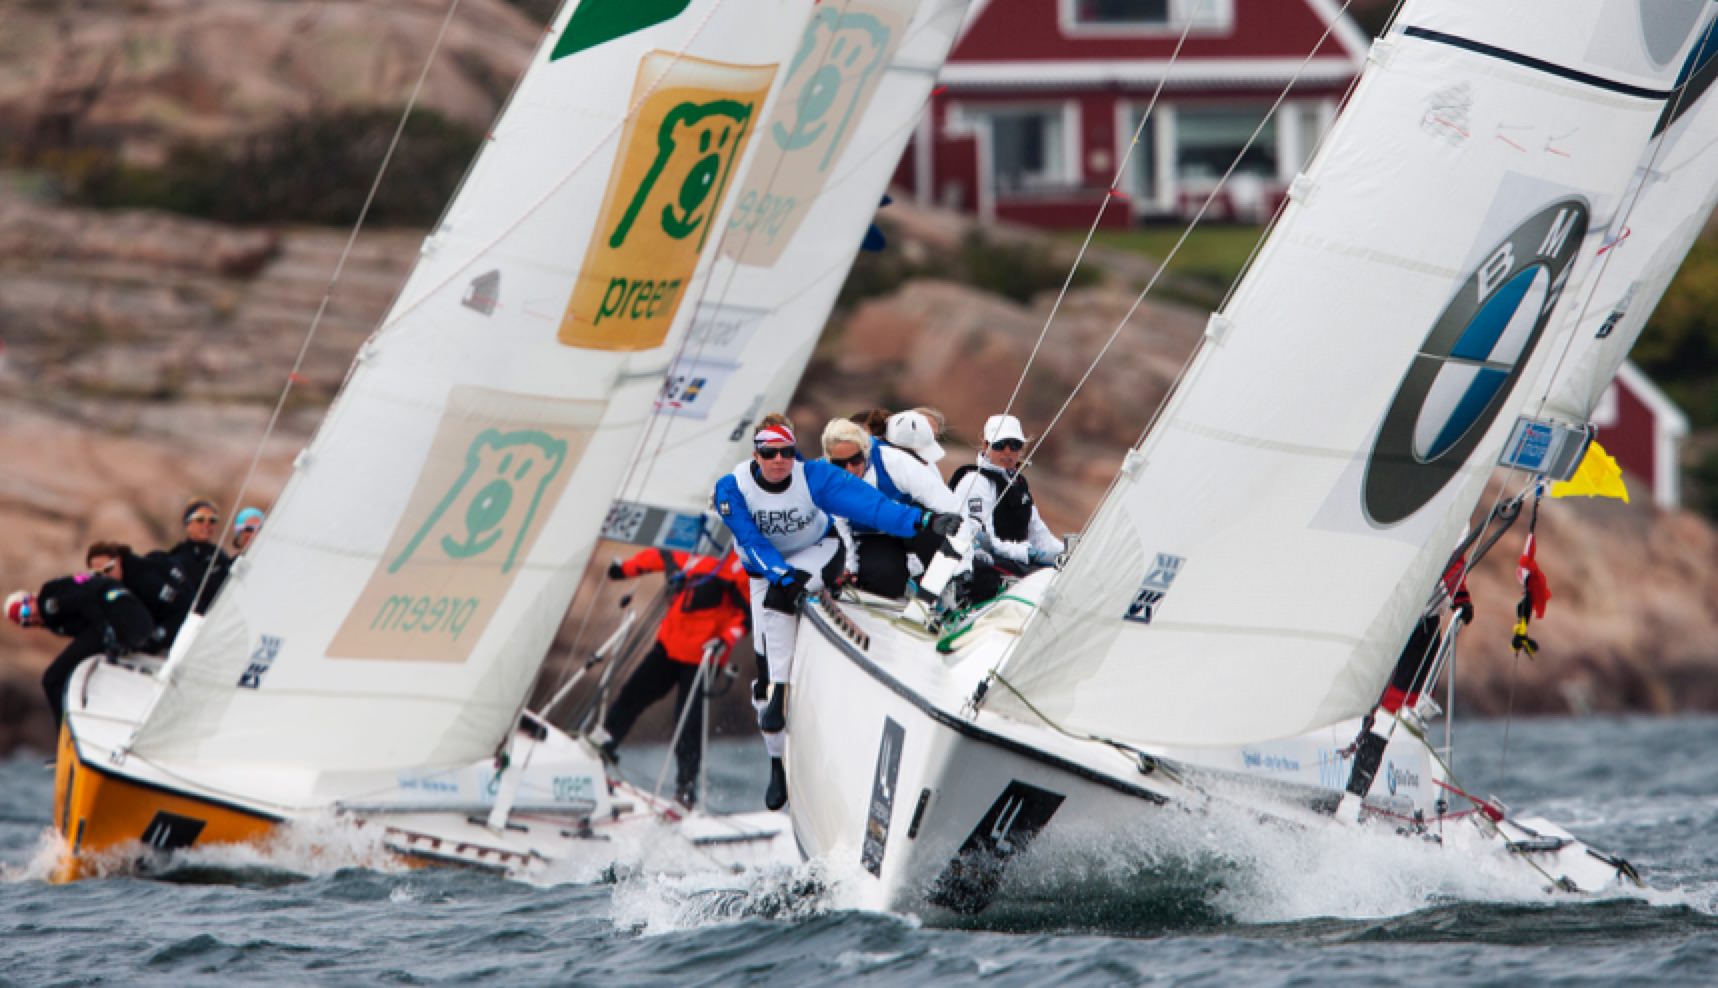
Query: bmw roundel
point(1470, 361)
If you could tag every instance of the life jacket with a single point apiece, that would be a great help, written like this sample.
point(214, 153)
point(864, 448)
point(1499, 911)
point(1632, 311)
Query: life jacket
point(713, 602)
point(788, 518)
point(1011, 516)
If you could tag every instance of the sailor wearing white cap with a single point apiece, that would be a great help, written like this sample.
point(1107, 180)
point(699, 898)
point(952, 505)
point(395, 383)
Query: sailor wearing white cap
point(996, 495)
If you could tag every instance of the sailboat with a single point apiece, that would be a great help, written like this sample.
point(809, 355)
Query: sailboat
point(1451, 283)
point(643, 251)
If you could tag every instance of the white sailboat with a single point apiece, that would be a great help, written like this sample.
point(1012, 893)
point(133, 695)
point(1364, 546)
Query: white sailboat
point(1455, 277)
point(372, 655)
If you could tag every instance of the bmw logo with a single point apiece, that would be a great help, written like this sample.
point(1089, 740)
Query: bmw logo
point(1470, 361)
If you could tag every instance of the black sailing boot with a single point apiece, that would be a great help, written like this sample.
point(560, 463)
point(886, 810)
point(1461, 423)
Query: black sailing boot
point(774, 717)
point(775, 797)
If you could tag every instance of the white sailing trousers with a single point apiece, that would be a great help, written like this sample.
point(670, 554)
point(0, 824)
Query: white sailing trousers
point(773, 632)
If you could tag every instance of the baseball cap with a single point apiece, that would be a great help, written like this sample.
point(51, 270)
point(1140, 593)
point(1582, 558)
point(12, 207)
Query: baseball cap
point(248, 518)
point(1000, 427)
point(912, 430)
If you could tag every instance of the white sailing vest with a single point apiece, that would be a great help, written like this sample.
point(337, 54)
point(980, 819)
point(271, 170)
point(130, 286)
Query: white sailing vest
point(790, 519)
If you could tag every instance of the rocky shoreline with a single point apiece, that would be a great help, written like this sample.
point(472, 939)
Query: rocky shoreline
point(143, 354)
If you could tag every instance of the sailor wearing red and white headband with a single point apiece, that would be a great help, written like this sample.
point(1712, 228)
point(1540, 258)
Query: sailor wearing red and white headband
point(781, 511)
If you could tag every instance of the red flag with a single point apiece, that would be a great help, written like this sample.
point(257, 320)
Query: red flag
point(1533, 582)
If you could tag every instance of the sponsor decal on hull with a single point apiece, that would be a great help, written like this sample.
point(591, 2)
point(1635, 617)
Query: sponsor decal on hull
point(1470, 361)
point(496, 468)
point(882, 796)
point(678, 150)
point(972, 877)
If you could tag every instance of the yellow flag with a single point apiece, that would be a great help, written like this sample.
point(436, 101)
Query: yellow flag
point(1597, 476)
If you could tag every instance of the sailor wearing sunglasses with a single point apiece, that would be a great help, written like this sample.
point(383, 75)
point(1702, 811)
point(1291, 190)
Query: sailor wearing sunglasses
point(781, 511)
point(994, 492)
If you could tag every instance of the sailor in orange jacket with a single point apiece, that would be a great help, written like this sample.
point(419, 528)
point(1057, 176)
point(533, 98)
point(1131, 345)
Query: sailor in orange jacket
point(711, 608)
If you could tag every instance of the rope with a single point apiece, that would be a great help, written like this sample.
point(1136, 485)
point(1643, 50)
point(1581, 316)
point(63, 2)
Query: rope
point(1109, 195)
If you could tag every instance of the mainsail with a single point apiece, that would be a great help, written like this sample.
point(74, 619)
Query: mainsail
point(851, 97)
point(1256, 570)
point(393, 613)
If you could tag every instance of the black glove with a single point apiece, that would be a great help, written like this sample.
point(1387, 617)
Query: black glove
point(615, 572)
point(1462, 604)
point(794, 583)
point(942, 524)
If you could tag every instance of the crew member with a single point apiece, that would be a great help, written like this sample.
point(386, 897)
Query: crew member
point(710, 612)
point(1013, 538)
point(200, 553)
point(154, 580)
point(246, 524)
point(780, 511)
point(96, 612)
point(902, 466)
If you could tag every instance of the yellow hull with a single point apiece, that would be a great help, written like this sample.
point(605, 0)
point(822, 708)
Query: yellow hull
point(99, 814)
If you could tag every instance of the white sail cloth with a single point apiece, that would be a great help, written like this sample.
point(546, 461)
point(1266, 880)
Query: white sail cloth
point(826, 156)
point(1256, 572)
point(393, 613)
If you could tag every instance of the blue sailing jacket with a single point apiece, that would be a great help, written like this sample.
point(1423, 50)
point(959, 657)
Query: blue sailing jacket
point(830, 489)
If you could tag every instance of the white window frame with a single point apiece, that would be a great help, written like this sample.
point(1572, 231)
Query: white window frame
point(1220, 21)
point(1161, 130)
point(972, 120)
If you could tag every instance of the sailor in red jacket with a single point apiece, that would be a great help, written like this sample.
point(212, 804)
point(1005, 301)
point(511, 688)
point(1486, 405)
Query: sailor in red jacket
point(711, 608)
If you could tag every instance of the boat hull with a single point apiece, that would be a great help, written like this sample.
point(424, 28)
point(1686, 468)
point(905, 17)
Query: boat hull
point(569, 820)
point(917, 803)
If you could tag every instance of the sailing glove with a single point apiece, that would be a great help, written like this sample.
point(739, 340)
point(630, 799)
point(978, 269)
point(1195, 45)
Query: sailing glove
point(942, 523)
point(1462, 604)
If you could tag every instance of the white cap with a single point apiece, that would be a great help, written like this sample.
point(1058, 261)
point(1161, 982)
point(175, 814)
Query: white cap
point(1000, 427)
point(912, 430)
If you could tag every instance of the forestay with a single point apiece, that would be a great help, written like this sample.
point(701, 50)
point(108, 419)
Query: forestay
point(851, 97)
point(411, 577)
point(1256, 571)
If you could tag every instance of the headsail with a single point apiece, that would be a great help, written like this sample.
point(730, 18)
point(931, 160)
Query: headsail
point(1675, 191)
point(851, 96)
point(413, 573)
point(1257, 569)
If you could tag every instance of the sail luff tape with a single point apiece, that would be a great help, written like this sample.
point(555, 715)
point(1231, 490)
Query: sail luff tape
point(1217, 328)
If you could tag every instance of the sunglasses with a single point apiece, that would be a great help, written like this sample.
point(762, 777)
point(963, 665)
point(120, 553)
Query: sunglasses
point(108, 568)
point(1013, 445)
point(771, 452)
point(857, 459)
point(203, 519)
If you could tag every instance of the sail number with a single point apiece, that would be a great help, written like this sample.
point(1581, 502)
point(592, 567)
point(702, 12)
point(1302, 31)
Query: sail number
point(766, 211)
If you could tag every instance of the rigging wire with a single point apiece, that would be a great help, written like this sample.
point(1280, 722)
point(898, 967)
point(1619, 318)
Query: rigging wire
point(1109, 196)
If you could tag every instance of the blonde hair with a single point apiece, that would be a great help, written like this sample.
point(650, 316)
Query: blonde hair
point(845, 431)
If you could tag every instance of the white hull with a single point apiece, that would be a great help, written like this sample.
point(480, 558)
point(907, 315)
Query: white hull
point(916, 803)
point(567, 819)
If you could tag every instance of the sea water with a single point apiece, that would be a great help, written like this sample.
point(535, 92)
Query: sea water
point(1198, 902)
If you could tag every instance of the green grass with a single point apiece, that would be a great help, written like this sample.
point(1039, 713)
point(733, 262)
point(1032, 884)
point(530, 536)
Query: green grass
point(1213, 253)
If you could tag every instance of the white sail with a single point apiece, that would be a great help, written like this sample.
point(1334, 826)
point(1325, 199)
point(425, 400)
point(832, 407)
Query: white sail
point(394, 611)
point(1675, 191)
point(1255, 573)
point(851, 97)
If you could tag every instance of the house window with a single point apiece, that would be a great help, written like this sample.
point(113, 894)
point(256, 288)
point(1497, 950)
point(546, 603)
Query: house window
point(1123, 12)
point(1208, 138)
point(1152, 16)
point(1027, 148)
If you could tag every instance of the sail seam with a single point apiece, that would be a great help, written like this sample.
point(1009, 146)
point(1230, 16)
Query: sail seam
point(1537, 64)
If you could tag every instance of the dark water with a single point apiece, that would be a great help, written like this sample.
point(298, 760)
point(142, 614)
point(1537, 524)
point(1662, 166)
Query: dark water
point(1276, 910)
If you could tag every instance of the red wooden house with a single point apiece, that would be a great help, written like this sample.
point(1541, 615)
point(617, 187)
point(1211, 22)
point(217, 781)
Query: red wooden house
point(1040, 99)
point(1642, 428)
